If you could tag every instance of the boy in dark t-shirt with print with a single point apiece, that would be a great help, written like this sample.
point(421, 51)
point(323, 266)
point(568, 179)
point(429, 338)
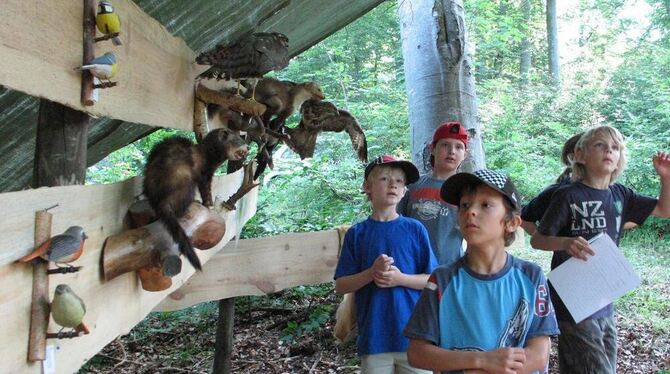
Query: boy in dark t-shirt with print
point(578, 212)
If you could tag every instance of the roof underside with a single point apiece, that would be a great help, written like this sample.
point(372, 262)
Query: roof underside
point(202, 24)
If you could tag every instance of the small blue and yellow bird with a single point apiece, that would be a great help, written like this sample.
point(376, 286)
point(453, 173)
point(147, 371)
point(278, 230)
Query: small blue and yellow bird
point(108, 21)
point(103, 67)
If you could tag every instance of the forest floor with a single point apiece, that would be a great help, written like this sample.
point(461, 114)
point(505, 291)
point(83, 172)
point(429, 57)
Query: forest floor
point(185, 344)
point(291, 332)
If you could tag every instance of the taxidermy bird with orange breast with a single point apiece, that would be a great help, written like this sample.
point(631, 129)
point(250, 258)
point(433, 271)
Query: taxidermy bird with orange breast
point(63, 248)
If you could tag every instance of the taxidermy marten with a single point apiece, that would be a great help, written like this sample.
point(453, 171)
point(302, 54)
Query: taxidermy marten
point(282, 98)
point(175, 167)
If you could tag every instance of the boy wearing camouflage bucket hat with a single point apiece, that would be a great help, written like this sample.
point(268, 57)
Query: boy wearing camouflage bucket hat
point(385, 260)
point(489, 310)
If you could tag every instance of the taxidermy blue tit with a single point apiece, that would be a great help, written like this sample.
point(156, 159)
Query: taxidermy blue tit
point(108, 21)
point(103, 67)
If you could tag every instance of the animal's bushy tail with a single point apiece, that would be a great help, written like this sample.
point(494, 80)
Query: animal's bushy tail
point(180, 237)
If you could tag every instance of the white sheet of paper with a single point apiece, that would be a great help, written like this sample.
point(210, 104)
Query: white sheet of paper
point(587, 286)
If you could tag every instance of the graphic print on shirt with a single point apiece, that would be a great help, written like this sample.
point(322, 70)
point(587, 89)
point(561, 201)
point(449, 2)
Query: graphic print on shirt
point(515, 326)
point(588, 217)
point(428, 205)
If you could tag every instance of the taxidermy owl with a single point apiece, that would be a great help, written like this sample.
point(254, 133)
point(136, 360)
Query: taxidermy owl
point(318, 116)
point(252, 56)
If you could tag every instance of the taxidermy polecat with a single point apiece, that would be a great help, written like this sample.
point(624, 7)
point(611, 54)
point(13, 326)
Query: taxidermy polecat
point(175, 167)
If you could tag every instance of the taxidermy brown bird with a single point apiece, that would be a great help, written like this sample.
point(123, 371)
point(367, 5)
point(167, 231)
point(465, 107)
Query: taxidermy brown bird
point(252, 56)
point(282, 98)
point(175, 167)
point(68, 309)
point(62, 248)
point(320, 116)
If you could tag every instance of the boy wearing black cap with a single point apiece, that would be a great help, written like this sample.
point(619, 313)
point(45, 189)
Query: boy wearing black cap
point(385, 260)
point(422, 201)
point(489, 311)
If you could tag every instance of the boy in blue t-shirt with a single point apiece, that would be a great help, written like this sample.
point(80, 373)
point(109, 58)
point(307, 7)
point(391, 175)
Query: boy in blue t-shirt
point(489, 311)
point(385, 260)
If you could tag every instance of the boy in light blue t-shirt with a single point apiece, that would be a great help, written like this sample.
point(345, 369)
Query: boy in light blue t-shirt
point(488, 311)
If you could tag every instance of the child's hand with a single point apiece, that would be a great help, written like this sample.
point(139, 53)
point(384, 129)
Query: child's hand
point(505, 360)
point(382, 263)
point(388, 279)
point(661, 162)
point(578, 247)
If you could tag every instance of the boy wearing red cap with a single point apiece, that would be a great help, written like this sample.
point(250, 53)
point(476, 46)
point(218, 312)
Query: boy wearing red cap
point(422, 201)
point(385, 260)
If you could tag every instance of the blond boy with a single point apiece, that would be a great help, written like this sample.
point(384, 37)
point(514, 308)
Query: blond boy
point(385, 260)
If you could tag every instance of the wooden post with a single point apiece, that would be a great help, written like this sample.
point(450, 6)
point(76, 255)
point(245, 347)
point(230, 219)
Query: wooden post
point(39, 309)
point(60, 160)
point(60, 147)
point(89, 34)
point(223, 348)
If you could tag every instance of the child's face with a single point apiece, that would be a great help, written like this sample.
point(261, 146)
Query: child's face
point(601, 156)
point(481, 217)
point(448, 154)
point(385, 186)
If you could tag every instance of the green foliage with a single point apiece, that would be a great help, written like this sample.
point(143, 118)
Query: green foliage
point(314, 321)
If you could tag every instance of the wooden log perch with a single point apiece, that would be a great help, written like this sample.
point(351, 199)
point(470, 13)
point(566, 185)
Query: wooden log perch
point(152, 246)
point(139, 214)
point(39, 309)
point(236, 103)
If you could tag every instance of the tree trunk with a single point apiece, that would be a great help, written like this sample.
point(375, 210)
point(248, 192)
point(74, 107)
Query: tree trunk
point(552, 41)
point(525, 58)
point(439, 75)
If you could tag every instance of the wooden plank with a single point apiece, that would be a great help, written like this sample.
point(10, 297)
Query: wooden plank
point(41, 43)
point(113, 308)
point(266, 265)
point(260, 266)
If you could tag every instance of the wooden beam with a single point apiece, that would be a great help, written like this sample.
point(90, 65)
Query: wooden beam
point(259, 267)
point(114, 307)
point(41, 43)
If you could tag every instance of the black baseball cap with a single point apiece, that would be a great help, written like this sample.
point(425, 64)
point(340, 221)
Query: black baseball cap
point(411, 172)
point(452, 188)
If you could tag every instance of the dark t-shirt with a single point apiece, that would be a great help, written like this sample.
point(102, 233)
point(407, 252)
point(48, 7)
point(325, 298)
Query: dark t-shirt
point(534, 210)
point(579, 210)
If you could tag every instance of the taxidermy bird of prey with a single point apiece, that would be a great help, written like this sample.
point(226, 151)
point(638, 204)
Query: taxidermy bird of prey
point(319, 116)
point(253, 56)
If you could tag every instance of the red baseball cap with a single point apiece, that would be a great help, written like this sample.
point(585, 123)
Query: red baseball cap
point(451, 130)
point(411, 172)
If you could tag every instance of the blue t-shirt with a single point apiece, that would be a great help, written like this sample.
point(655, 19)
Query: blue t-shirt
point(461, 310)
point(423, 203)
point(579, 210)
point(382, 313)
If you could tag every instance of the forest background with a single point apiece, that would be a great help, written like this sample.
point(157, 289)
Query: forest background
point(615, 70)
